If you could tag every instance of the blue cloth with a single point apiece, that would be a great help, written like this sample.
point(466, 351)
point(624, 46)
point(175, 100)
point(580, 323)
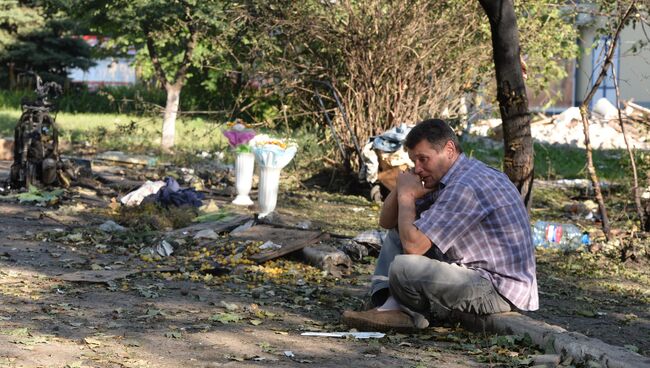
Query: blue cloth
point(477, 219)
point(392, 139)
point(172, 195)
point(385, 145)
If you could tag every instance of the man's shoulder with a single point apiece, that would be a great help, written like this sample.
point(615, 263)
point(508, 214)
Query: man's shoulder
point(489, 184)
point(476, 172)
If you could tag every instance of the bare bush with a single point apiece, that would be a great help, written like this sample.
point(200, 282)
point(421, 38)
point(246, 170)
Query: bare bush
point(391, 61)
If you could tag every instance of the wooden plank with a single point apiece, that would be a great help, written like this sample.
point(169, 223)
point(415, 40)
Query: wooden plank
point(290, 240)
point(226, 224)
point(102, 276)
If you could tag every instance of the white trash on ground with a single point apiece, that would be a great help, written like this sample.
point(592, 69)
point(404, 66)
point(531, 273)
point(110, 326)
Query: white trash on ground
point(605, 109)
point(356, 335)
point(164, 248)
point(111, 226)
point(206, 234)
point(135, 197)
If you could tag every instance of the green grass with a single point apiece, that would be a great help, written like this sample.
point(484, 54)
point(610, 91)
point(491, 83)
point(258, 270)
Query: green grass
point(561, 162)
point(126, 132)
point(142, 134)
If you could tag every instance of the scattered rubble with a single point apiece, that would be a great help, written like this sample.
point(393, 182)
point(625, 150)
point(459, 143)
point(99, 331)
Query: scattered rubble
point(111, 226)
point(223, 243)
point(566, 128)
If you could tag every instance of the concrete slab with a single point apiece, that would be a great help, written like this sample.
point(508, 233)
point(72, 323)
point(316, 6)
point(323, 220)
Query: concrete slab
point(580, 348)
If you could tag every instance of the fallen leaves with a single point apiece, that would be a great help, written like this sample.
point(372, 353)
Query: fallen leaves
point(226, 317)
point(25, 338)
point(173, 335)
point(255, 322)
point(34, 194)
point(92, 342)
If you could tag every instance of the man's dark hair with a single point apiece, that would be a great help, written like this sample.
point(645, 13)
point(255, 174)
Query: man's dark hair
point(437, 132)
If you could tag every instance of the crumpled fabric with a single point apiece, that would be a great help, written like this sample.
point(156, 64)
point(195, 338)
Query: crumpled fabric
point(392, 139)
point(172, 195)
point(374, 237)
point(398, 158)
point(375, 160)
point(136, 197)
point(370, 170)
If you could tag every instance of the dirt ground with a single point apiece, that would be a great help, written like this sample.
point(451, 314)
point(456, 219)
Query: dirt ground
point(182, 318)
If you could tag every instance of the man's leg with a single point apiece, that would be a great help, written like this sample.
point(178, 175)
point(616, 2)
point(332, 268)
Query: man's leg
point(390, 248)
point(429, 286)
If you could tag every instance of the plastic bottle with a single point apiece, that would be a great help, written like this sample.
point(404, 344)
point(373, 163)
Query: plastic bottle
point(560, 236)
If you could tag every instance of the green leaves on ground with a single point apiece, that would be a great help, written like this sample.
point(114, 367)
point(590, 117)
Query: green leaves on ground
point(35, 194)
point(226, 317)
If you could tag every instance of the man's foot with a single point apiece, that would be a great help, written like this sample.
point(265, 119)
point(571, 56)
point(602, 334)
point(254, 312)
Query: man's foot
point(374, 320)
point(376, 300)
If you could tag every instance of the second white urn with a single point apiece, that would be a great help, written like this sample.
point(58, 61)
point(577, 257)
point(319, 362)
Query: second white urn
point(244, 165)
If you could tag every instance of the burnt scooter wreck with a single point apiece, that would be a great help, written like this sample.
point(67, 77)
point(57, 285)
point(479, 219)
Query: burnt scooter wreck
point(36, 142)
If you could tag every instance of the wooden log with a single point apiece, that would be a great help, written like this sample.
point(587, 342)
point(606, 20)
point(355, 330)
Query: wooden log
point(328, 258)
point(578, 347)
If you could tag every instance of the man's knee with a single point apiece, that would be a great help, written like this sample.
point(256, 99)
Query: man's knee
point(403, 280)
point(407, 267)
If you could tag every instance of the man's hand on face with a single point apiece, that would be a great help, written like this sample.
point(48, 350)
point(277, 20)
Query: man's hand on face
point(410, 184)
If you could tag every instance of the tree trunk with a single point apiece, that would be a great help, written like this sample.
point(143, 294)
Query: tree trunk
point(169, 117)
point(511, 93)
point(12, 76)
point(591, 169)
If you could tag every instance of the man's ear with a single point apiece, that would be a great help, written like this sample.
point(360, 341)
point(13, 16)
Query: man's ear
point(450, 149)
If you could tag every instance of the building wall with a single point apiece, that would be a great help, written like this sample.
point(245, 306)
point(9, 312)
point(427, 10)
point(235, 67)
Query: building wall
point(584, 66)
point(634, 75)
point(633, 69)
point(110, 72)
point(117, 71)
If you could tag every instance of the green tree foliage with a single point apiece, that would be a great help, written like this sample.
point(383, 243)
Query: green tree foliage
point(173, 39)
point(548, 36)
point(35, 38)
point(15, 21)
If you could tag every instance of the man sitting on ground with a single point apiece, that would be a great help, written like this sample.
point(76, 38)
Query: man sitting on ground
point(459, 240)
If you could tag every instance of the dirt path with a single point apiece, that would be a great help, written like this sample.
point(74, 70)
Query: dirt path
point(147, 321)
point(188, 318)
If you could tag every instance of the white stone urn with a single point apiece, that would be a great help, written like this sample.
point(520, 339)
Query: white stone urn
point(271, 156)
point(268, 189)
point(244, 166)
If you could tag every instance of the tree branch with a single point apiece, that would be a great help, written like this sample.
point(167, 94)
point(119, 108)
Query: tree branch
point(153, 54)
point(610, 52)
point(585, 123)
point(192, 41)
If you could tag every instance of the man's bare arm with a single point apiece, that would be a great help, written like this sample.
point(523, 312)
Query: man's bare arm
point(413, 240)
point(388, 215)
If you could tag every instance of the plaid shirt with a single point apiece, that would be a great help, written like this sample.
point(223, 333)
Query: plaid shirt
point(478, 220)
